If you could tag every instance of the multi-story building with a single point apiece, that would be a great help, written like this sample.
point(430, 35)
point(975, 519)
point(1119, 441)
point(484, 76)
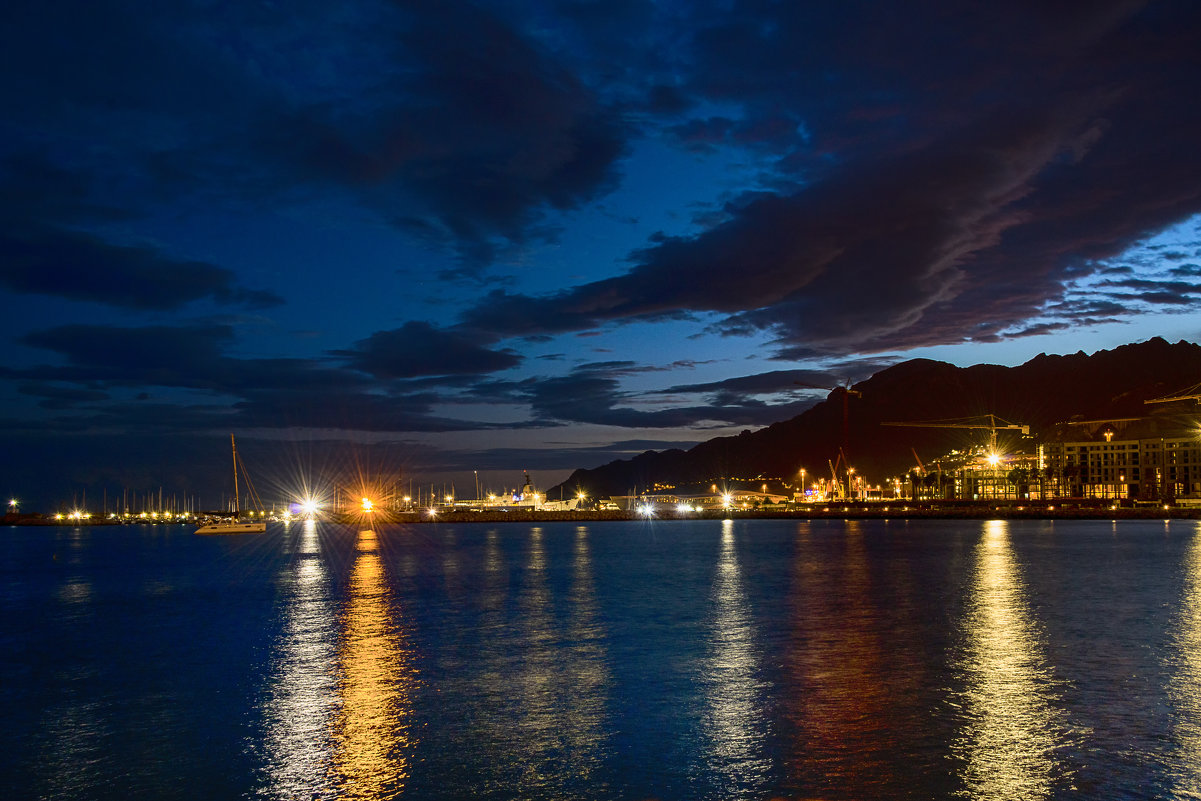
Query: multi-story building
point(1154, 458)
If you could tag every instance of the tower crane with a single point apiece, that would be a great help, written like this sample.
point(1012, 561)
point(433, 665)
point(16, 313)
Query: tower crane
point(846, 392)
point(1189, 393)
point(990, 422)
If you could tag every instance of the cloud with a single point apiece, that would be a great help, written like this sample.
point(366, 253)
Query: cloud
point(444, 119)
point(919, 214)
point(346, 410)
point(85, 268)
point(266, 393)
point(179, 356)
point(60, 397)
point(471, 132)
point(775, 381)
point(594, 395)
point(418, 349)
point(46, 250)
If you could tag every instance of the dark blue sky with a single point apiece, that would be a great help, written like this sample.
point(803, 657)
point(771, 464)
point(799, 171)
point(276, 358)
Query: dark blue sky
point(444, 237)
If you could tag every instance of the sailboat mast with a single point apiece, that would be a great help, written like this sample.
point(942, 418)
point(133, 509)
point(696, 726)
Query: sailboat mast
point(237, 499)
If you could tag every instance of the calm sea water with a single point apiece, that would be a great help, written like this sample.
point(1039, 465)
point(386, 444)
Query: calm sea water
point(667, 660)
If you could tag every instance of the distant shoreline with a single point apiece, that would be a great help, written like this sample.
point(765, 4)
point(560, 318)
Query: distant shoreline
point(872, 512)
point(824, 512)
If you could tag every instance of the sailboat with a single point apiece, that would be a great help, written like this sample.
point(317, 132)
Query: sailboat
point(235, 526)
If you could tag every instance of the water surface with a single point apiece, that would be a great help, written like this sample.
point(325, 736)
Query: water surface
point(651, 659)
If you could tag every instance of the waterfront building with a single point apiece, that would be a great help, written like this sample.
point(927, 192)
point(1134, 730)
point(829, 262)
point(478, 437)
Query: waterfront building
point(1153, 459)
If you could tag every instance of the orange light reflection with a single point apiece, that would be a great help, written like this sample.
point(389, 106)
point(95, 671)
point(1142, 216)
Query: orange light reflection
point(373, 731)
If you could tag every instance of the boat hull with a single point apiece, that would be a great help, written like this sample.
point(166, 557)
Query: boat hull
point(232, 528)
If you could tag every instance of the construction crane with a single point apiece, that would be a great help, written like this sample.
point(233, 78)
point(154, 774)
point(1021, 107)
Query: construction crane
point(921, 468)
point(990, 422)
point(835, 486)
point(846, 392)
point(1189, 393)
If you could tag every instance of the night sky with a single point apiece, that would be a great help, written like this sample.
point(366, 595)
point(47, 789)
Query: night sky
point(446, 237)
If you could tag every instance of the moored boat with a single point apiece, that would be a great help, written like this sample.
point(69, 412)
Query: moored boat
point(235, 525)
point(232, 527)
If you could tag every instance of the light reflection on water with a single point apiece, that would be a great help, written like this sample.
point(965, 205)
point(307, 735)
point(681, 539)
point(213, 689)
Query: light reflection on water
point(1012, 726)
point(535, 727)
point(75, 729)
point(840, 695)
point(735, 724)
point(299, 712)
point(685, 662)
point(372, 731)
point(585, 672)
point(1185, 687)
point(559, 679)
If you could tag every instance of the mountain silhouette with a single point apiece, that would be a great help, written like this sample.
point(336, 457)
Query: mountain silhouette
point(1044, 391)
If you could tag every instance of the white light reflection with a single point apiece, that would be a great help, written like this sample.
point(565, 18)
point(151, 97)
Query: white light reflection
point(535, 724)
point(373, 730)
point(73, 732)
point(303, 693)
point(1012, 728)
point(586, 668)
point(543, 677)
point(493, 664)
point(1185, 687)
point(735, 722)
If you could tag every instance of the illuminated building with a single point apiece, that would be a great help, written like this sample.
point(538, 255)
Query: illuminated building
point(1150, 459)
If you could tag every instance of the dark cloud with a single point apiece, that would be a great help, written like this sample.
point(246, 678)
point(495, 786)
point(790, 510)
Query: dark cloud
point(1152, 291)
point(562, 456)
point(266, 393)
point(45, 253)
point(183, 356)
point(346, 410)
point(475, 128)
point(594, 395)
point(954, 219)
point(443, 118)
point(776, 381)
point(85, 268)
point(418, 349)
point(55, 396)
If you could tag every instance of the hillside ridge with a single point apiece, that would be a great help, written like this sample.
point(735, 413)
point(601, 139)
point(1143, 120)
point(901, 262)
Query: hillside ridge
point(1043, 391)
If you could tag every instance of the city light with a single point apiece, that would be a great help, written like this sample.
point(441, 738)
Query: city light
point(368, 505)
